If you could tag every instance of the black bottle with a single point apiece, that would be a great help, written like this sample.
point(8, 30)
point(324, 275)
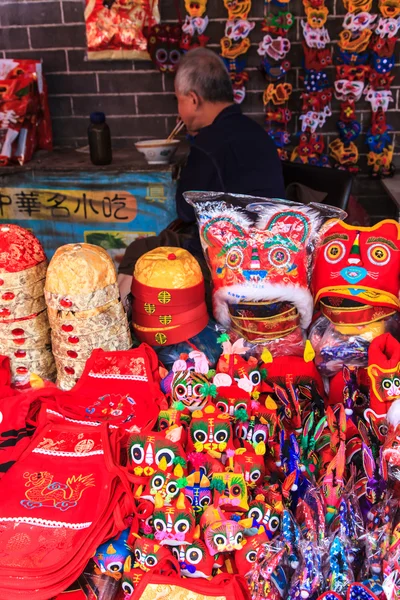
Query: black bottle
point(99, 139)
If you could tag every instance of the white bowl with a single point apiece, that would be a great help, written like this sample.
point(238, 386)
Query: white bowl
point(158, 152)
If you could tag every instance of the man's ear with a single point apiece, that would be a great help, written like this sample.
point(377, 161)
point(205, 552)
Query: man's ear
point(195, 99)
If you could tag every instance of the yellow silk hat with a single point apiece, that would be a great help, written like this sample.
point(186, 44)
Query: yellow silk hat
point(168, 296)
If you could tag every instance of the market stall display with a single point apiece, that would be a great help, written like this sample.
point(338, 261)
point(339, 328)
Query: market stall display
point(241, 469)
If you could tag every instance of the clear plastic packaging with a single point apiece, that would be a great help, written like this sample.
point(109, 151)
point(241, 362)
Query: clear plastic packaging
point(260, 253)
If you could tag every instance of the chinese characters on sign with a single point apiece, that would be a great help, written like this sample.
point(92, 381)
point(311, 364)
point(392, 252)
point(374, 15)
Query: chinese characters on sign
point(70, 205)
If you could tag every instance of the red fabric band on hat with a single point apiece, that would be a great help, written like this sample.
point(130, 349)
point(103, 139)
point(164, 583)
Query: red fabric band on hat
point(175, 335)
point(187, 297)
point(169, 319)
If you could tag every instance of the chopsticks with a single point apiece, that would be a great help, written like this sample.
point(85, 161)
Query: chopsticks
point(178, 127)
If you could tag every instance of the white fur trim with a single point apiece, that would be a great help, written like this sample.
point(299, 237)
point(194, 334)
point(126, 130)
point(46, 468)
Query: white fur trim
point(393, 414)
point(301, 298)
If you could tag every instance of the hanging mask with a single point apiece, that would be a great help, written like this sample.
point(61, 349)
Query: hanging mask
point(354, 6)
point(264, 515)
point(352, 72)
point(277, 94)
point(248, 554)
point(278, 24)
point(148, 553)
point(377, 143)
point(111, 556)
point(380, 81)
point(354, 44)
point(275, 48)
point(315, 38)
point(359, 21)
point(378, 122)
point(316, 101)
point(237, 9)
point(387, 27)
point(275, 72)
point(239, 81)
point(239, 29)
point(315, 59)
point(348, 131)
point(231, 50)
point(195, 8)
point(230, 492)
point(198, 493)
point(378, 99)
point(382, 64)
point(210, 431)
point(312, 120)
point(348, 90)
point(166, 485)
point(315, 81)
point(390, 9)
point(279, 115)
point(343, 154)
point(154, 452)
point(384, 47)
point(353, 58)
point(281, 137)
point(175, 524)
point(164, 47)
point(317, 17)
point(194, 560)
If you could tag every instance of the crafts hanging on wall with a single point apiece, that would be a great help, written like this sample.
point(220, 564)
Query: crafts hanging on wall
point(351, 73)
point(236, 43)
point(274, 49)
point(115, 28)
point(317, 95)
point(194, 26)
point(377, 91)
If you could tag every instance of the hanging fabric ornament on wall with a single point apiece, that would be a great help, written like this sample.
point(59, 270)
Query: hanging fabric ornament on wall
point(195, 24)
point(236, 43)
point(377, 91)
point(317, 95)
point(115, 30)
point(275, 65)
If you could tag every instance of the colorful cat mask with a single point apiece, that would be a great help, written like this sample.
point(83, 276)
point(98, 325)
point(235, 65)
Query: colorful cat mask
point(264, 515)
point(252, 467)
point(197, 490)
point(210, 431)
point(258, 254)
point(110, 557)
point(148, 553)
point(230, 491)
point(361, 264)
point(175, 524)
point(384, 373)
point(194, 560)
point(247, 555)
point(165, 485)
point(154, 452)
point(224, 536)
point(186, 380)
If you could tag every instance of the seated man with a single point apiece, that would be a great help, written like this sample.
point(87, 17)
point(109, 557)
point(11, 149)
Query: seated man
point(229, 152)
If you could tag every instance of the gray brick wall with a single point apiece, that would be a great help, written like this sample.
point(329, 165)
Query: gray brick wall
point(137, 99)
